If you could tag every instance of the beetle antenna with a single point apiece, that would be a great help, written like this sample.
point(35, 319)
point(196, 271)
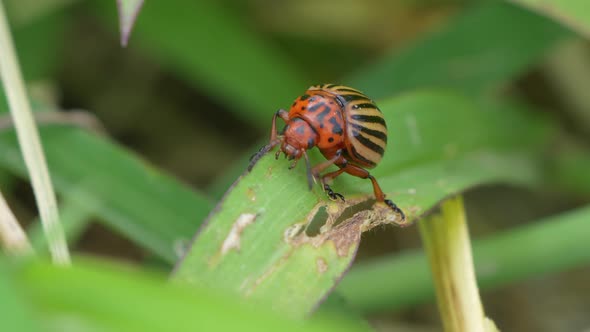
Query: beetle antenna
point(308, 167)
point(263, 150)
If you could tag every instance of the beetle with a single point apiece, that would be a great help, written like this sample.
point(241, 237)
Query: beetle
point(347, 127)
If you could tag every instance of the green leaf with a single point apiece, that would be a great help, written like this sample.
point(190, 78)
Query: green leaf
point(15, 312)
point(570, 171)
point(572, 13)
point(38, 35)
point(127, 194)
point(440, 144)
point(485, 47)
point(546, 246)
point(100, 297)
point(210, 46)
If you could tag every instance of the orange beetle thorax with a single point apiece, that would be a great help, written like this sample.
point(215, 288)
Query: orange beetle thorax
point(323, 113)
point(298, 137)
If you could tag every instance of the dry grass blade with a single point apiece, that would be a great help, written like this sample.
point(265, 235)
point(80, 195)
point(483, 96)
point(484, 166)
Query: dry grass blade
point(12, 237)
point(30, 144)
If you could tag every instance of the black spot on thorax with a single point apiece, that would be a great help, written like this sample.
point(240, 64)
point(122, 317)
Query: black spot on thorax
point(336, 128)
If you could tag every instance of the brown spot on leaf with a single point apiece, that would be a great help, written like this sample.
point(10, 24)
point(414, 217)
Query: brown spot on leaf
point(322, 265)
point(268, 173)
point(251, 194)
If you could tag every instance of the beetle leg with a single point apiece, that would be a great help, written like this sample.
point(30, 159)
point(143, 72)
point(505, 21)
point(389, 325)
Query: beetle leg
point(273, 129)
point(330, 176)
point(317, 169)
point(379, 195)
point(274, 139)
point(308, 169)
point(294, 163)
point(263, 150)
point(333, 196)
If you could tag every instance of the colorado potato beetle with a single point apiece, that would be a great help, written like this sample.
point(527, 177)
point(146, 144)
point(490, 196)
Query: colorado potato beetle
point(347, 127)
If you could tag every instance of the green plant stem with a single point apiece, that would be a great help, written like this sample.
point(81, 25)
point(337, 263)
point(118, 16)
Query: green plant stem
point(30, 144)
point(12, 237)
point(446, 240)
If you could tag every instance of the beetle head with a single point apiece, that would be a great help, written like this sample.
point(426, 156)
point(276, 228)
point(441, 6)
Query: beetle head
point(297, 138)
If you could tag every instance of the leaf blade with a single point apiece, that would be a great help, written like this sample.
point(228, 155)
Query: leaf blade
point(574, 14)
point(126, 193)
point(473, 54)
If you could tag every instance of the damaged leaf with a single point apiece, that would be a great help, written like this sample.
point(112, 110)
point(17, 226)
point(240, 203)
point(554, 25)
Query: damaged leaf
point(301, 243)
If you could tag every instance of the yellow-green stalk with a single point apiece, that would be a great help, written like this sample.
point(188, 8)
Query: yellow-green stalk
point(446, 240)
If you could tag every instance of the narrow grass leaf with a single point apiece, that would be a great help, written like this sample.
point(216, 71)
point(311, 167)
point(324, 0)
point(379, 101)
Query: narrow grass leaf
point(13, 238)
point(30, 144)
point(124, 192)
point(475, 53)
point(572, 13)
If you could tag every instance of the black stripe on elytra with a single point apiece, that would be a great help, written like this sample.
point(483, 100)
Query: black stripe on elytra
point(368, 118)
point(368, 143)
point(304, 97)
point(341, 102)
point(353, 97)
point(336, 128)
point(377, 133)
point(360, 157)
point(345, 89)
point(367, 105)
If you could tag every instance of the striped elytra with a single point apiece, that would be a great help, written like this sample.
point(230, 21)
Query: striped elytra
point(365, 127)
point(347, 127)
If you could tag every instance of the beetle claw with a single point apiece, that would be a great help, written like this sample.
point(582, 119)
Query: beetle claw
point(395, 208)
point(333, 196)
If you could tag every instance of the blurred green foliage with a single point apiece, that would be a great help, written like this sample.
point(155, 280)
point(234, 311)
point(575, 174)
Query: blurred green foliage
point(474, 92)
